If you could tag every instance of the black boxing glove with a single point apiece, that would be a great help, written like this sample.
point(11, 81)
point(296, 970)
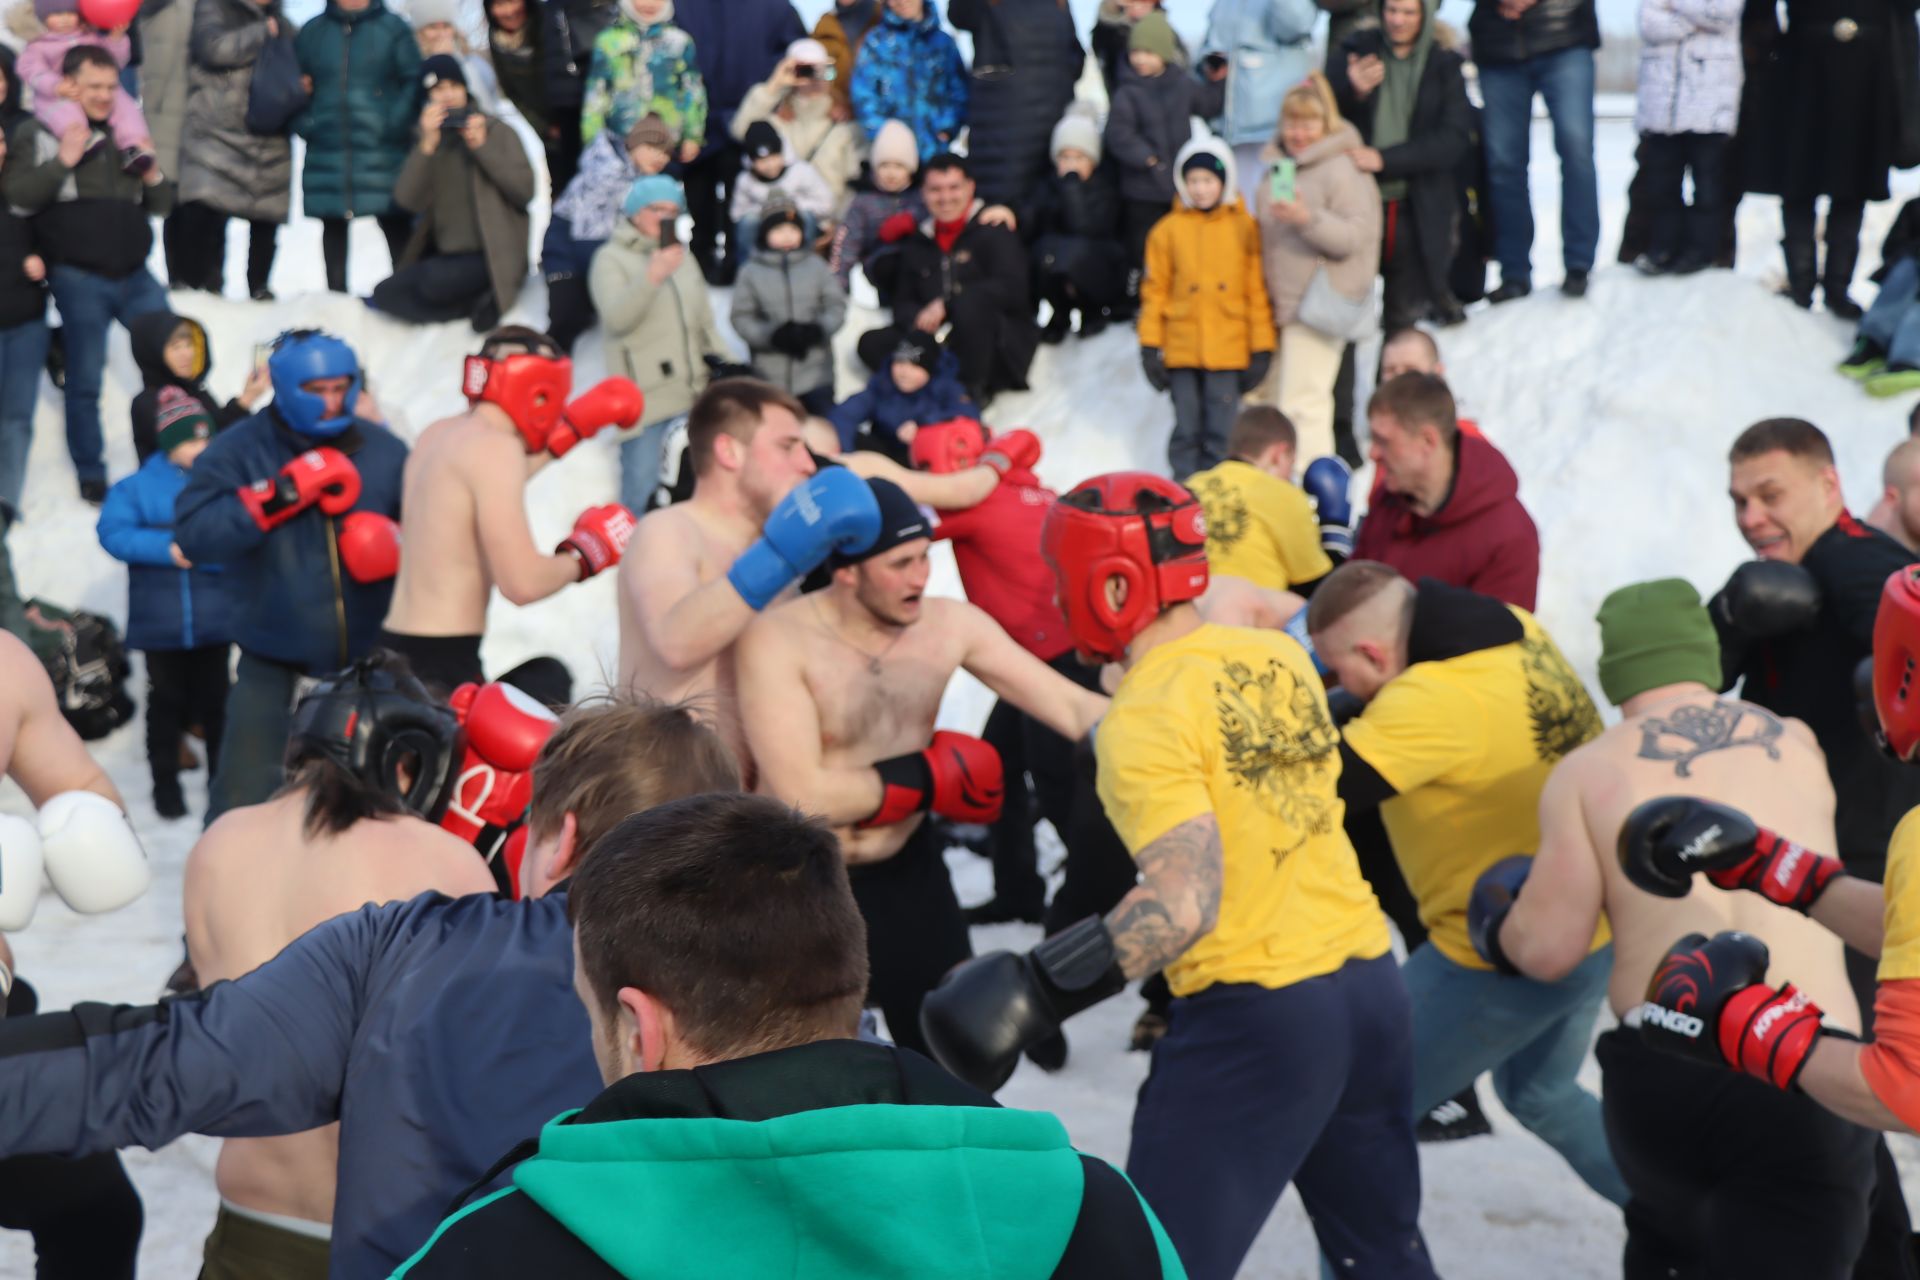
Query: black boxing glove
point(988, 1010)
point(1708, 1000)
point(1494, 894)
point(1766, 598)
point(1664, 842)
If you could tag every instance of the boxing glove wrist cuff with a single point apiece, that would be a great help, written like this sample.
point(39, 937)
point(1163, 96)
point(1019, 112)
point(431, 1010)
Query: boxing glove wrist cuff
point(1783, 872)
point(760, 574)
point(1770, 1034)
point(1080, 967)
point(906, 787)
point(271, 503)
point(1488, 944)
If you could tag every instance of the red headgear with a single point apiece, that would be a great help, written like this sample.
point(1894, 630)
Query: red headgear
point(1143, 529)
point(1896, 652)
point(525, 373)
point(946, 447)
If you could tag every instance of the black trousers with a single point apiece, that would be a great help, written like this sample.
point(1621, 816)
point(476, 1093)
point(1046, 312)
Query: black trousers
point(563, 145)
point(1136, 220)
point(570, 310)
point(396, 226)
point(915, 931)
point(444, 663)
point(203, 242)
point(1679, 227)
point(184, 687)
point(1038, 764)
point(709, 185)
point(438, 288)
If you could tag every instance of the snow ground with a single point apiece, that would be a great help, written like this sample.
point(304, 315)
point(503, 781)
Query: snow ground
point(1615, 411)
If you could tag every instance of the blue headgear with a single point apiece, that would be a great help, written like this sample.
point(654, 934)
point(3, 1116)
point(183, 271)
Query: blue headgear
point(302, 356)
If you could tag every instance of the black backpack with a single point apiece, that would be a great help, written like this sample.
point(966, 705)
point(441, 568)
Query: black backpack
point(87, 663)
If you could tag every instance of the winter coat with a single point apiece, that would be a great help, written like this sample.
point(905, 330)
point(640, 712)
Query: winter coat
point(1203, 301)
point(164, 27)
point(799, 182)
point(1808, 674)
point(296, 605)
point(912, 72)
point(1268, 45)
point(657, 335)
point(856, 241)
point(1440, 134)
point(365, 67)
point(93, 217)
point(883, 408)
point(739, 43)
point(775, 287)
point(1151, 119)
point(568, 31)
point(590, 202)
point(640, 70)
point(1481, 538)
point(22, 301)
point(1073, 228)
point(983, 281)
point(501, 179)
point(831, 32)
point(790, 1145)
point(521, 69)
point(147, 336)
point(1026, 60)
point(1344, 233)
point(1547, 27)
point(167, 607)
point(1903, 239)
point(223, 163)
point(1690, 68)
point(1344, 17)
point(834, 148)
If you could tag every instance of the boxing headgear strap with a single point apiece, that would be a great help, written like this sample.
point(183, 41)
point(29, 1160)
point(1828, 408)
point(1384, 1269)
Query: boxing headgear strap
point(946, 447)
point(1896, 649)
point(372, 723)
point(1125, 547)
point(531, 386)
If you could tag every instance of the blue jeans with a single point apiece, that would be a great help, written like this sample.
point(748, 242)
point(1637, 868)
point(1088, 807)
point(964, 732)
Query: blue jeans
point(23, 355)
point(1893, 320)
point(1205, 403)
point(1532, 1035)
point(640, 462)
point(89, 304)
point(1565, 80)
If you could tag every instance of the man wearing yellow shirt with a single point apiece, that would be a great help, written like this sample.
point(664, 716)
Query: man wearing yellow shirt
point(1260, 527)
point(1287, 1058)
point(1468, 706)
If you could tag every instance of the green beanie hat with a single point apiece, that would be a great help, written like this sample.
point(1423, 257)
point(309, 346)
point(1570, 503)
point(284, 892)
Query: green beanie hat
point(1655, 633)
point(178, 418)
point(1155, 34)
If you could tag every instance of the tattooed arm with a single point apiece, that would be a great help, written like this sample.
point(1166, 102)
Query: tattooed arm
point(1177, 901)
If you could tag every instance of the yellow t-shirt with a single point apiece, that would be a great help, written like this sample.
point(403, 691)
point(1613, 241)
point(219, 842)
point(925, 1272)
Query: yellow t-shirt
point(1900, 948)
point(1467, 742)
point(1259, 527)
point(1233, 722)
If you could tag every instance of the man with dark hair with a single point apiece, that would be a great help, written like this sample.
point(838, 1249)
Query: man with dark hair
point(369, 760)
point(438, 1032)
point(759, 520)
point(817, 1153)
point(89, 218)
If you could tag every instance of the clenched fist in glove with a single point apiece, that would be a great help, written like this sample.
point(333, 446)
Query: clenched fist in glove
point(957, 776)
point(1708, 1000)
point(1766, 598)
point(1494, 894)
point(1665, 841)
point(610, 402)
point(323, 477)
point(832, 510)
point(505, 729)
point(369, 546)
point(1017, 450)
point(599, 537)
point(1328, 481)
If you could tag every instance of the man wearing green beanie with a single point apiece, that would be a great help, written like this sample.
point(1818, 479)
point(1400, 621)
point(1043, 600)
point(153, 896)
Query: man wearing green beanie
point(1711, 1158)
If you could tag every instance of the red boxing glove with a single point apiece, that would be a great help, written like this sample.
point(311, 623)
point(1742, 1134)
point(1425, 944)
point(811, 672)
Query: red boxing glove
point(1780, 871)
point(610, 402)
point(505, 729)
point(322, 476)
point(369, 546)
point(958, 776)
point(1709, 1001)
point(1012, 451)
point(897, 227)
point(598, 538)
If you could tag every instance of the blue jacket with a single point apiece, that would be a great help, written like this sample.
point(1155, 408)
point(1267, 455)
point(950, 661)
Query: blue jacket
point(1269, 48)
point(167, 607)
point(441, 1031)
point(366, 100)
point(888, 408)
point(736, 45)
point(297, 606)
point(912, 72)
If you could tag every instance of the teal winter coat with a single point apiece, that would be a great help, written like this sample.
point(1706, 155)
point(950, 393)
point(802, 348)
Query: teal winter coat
point(359, 126)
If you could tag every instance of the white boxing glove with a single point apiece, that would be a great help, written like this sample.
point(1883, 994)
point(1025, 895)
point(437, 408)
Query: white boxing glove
point(93, 858)
point(20, 866)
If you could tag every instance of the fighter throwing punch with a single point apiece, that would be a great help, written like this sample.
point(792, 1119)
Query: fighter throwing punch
point(838, 693)
point(1289, 1052)
point(465, 499)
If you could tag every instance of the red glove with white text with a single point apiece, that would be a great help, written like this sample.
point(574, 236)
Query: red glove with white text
point(610, 402)
point(599, 537)
point(1709, 1001)
point(324, 477)
point(505, 729)
point(958, 776)
point(1012, 451)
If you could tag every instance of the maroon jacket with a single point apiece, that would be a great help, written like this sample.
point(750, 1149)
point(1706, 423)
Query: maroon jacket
point(1481, 538)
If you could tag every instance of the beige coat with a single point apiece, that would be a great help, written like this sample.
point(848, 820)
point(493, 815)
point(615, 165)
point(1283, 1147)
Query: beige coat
point(502, 181)
point(164, 30)
point(1344, 232)
point(657, 335)
point(833, 147)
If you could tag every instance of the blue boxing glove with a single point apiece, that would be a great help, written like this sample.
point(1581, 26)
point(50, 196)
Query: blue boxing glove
point(1326, 481)
point(1296, 626)
point(1494, 894)
point(831, 511)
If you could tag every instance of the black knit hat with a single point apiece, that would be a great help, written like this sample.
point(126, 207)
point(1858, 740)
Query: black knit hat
point(922, 351)
point(762, 140)
point(441, 66)
point(901, 520)
point(1205, 160)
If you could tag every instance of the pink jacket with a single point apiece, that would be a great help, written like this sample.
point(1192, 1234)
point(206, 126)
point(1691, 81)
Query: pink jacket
point(39, 61)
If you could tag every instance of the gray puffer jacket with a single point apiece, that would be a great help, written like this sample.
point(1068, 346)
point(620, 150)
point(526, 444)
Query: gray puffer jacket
point(164, 29)
point(222, 163)
point(795, 285)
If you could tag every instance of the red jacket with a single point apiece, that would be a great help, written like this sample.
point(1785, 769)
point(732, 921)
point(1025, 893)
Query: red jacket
point(997, 546)
point(1481, 538)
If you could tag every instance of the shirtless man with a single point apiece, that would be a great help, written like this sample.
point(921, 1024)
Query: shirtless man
point(464, 502)
point(1711, 1159)
point(838, 693)
point(700, 570)
point(369, 754)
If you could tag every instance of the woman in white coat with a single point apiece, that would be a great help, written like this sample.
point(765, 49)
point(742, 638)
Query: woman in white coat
point(1686, 109)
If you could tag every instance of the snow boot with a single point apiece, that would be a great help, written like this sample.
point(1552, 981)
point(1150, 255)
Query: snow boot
point(1800, 270)
point(1843, 252)
point(1894, 380)
point(1866, 359)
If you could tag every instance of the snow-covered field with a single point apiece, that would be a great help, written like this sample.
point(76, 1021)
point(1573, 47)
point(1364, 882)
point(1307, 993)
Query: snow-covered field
point(1616, 411)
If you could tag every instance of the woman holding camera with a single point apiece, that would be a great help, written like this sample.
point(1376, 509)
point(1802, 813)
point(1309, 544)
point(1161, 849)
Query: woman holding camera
point(798, 100)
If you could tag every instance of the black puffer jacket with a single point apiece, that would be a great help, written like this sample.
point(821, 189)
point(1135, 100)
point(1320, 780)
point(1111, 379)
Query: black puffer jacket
point(1151, 119)
point(567, 32)
point(1073, 228)
point(1026, 59)
point(1548, 27)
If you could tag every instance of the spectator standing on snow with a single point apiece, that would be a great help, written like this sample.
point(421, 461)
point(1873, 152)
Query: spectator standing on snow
point(163, 28)
point(910, 70)
point(1265, 48)
point(1886, 352)
point(586, 214)
point(1072, 222)
point(787, 306)
point(568, 29)
point(841, 30)
point(1026, 60)
point(891, 202)
point(798, 100)
point(23, 345)
point(514, 50)
point(1112, 28)
point(363, 66)
point(1686, 107)
point(1151, 119)
point(644, 65)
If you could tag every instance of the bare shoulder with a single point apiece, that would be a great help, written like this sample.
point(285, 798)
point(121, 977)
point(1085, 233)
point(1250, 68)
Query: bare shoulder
point(409, 856)
point(672, 526)
point(783, 621)
point(235, 834)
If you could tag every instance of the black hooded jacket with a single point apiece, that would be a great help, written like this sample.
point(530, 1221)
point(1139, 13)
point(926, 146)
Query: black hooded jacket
point(148, 335)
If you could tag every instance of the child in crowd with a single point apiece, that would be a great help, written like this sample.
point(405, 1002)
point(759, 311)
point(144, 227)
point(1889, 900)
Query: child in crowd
point(644, 64)
point(1686, 107)
point(766, 171)
point(585, 215)
point(1886, 353)
point(1113, 23)
point(787, 307)
point(1152, 118)
point(178, 613)
point(921, 383)
point(894, 160)
point(1206, 325)
point(172, 353)
point(39, 65)
point(1073, 221)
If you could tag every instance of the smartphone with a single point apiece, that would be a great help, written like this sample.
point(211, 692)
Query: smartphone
point(1367, 42)
point(261, 352)
point(1280, 180)
point(669, 232)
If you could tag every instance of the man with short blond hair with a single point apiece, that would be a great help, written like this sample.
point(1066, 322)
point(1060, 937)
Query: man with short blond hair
point(1897, 514)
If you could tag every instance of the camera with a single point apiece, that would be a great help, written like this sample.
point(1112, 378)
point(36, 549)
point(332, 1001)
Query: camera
point(455, 120)
point(1367, 42)
point(805, 71)
point(1214, 62)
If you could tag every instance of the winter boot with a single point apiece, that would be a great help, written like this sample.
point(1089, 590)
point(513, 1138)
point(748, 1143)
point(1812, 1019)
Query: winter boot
point(1866, 359)
point(1843, 251)
point(1092, 321)
point(1800, 271)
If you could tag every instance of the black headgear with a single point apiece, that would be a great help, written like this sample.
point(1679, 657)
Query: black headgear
point(369, 720)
